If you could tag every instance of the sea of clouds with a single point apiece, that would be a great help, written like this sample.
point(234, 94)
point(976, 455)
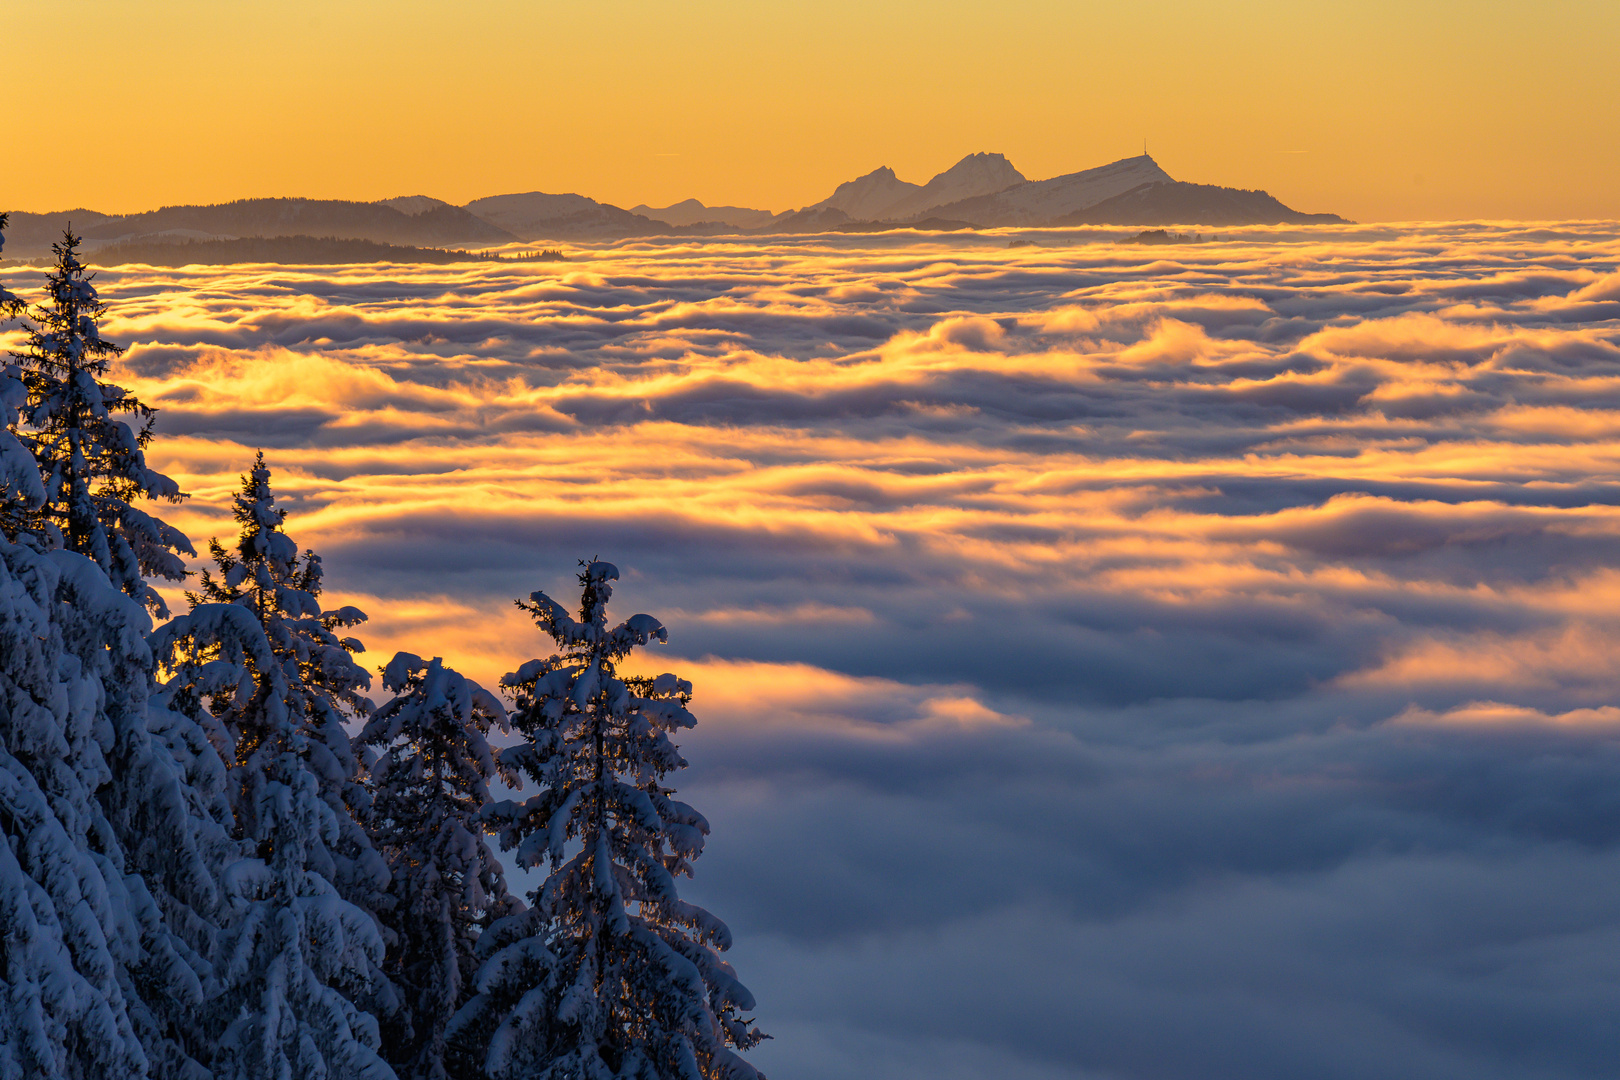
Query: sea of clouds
point(1111, 661)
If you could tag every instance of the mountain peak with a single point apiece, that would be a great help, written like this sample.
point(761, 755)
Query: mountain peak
point(982, 165)
point(866, 197)
point(693, 211)
point(975, 175)
point(880, 195)
point(412, 205)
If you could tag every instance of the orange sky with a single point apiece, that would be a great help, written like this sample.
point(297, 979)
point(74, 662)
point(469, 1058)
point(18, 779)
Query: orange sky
point(1375, 109)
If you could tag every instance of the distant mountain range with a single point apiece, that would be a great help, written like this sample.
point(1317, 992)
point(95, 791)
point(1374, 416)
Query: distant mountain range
point(882, 196)
point(980, 191)
point(692, 212)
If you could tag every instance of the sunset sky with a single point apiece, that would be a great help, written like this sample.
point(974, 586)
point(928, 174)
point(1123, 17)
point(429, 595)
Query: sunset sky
point(1192, 660)
point(1377, 110)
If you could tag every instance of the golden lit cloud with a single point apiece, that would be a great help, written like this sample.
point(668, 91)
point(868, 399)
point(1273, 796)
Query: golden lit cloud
point(1399, 471)
point(1152, 629)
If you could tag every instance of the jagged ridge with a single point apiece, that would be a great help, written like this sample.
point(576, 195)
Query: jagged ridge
point(982, 190)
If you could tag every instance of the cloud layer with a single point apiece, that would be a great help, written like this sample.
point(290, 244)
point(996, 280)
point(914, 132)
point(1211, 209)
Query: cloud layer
point(1111, 662)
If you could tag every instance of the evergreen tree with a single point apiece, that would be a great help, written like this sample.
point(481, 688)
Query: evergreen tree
point(93, 464)
point(179, 839)
point(21, 492)
point(10, 305)
point(262, 668)
point(610, 974)
point(160, 795)
point(64, 906)
point(430, 780)
point(265, 574)
point(128, 821)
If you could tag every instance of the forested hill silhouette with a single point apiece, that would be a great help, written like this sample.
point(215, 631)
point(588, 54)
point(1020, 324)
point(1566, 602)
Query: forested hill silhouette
point(535, 215)
point(291, 251)
point(693, 212)
point(439, 223)
point(980, 191)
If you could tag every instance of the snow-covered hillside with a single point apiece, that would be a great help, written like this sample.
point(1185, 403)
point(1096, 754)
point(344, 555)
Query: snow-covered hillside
point(868, 198)
point(974, 175)
point(1041, 201)
point(880, 195)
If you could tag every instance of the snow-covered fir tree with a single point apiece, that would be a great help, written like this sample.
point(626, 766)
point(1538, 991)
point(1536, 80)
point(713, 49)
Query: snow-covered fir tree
point(261, 666)
point(64, 910)
point(266, 574)
point(93, 464)
point(609, 975)
point(429, 769)
point(180, 841)
point(162, 798)
point(128, 796)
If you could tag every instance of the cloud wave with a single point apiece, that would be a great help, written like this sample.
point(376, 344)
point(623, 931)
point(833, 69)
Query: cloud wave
point(1111, 662)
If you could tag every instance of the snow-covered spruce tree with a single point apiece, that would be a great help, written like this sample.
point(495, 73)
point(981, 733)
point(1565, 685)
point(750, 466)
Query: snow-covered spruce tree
point(610, 974)
point(93, 464)
point(128, 796)
point(161, 797)
point(292, 955)
point(429, 768)
point(265, 574)
point(262, 668)
point(65, 926)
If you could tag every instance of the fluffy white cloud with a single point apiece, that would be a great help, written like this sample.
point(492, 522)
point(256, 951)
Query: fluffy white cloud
point(1117, 662)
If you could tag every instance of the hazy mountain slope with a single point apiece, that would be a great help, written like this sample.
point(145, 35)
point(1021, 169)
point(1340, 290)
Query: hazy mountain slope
point(32, 234)
point(974, 175)
point(867, 198)
point(1041, 201)
point(982, 190)
point(880, 195)
point(287, 250)
point(536, 215)
point(692, 212)
point(809, 220)
point(1177, 203)
point(446, 224)
point(413, 204)
point(378, 222)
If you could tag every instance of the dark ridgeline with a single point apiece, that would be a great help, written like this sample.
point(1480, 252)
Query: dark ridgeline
point(295, 251)
point(982, 191)
point(436, 225)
